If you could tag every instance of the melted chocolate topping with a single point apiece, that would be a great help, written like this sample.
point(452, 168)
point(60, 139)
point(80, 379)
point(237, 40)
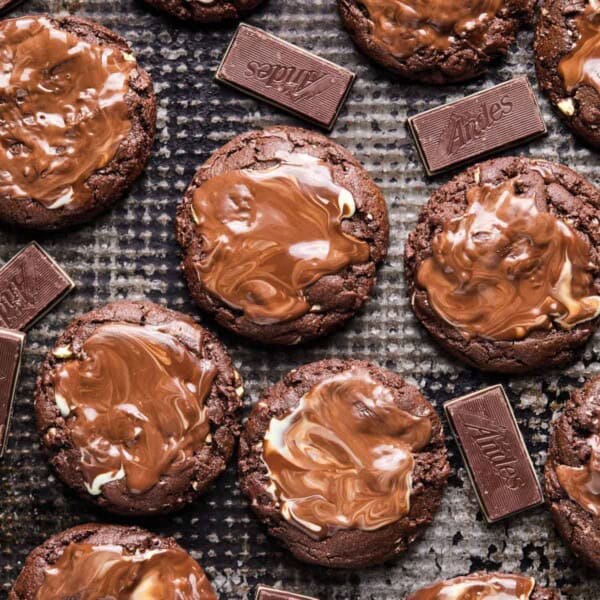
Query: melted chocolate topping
point(355, 472)
point(507, 268)
point(88, 572)
point(267, 235)
point(134, 404)
point(62, 111)
point(582, 64)
point(493, 586)
point(582, 484)
point(405, 26)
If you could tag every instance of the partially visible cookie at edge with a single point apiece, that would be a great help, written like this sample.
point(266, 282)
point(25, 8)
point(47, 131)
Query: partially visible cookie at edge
point(573, 464)
point(110, 561)
point(508, 586)
point(567, 42)
point(281, 231)
point(435, 42)
point(206, 11)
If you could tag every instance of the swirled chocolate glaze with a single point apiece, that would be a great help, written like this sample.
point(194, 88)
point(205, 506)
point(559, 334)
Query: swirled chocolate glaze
point(506, 268)
point(88, 572)
point(343, 458)
point(268, 235)
point(404, 26)
point(582, 484)
point(582, 64)
point(135, 404)
point(492, 586)
point(62, 111)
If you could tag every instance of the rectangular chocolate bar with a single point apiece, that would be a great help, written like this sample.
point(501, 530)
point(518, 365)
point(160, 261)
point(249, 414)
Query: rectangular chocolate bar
point(298, 81)
point(30, 285)
point(11, 348)
point(493, 119)
point(494, 453)
point(267, 593)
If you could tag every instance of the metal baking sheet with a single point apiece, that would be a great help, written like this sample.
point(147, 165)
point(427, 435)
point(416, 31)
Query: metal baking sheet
point(131, 253)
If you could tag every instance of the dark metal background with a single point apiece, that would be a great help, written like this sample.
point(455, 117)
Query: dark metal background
point(131, 253)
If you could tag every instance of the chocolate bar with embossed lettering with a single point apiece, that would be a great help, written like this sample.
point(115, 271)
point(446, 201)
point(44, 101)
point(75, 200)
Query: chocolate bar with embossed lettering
point(30, 285)
point(11, 347)
point(461, 131)
point(494, 453)
point(271, 69)
point(267, 593)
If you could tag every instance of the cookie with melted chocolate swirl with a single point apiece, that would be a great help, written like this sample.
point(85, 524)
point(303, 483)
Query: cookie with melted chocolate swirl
point(435, 41)
point(94, 561)
point(503, 267)
point(486, 586)
point(282, 231)
point(137, 407)
point(343, 491)
point(77, 120)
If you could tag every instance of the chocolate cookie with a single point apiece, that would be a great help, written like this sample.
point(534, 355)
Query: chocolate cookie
point(7, 5)
point(486, 586)
point(282, 230)
point(436, 41)
point(572, 473)
point(567, 45)
point(77, 120)
point(503, 268)
point(343, 492)
point(137, 407)
point(109, 561)
point(206, 11)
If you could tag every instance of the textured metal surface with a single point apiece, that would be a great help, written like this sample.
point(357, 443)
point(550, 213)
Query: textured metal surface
point(131, 253)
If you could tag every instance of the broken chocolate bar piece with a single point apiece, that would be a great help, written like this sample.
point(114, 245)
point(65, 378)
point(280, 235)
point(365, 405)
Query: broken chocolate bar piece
point(30, 285)
point(464, 130)
point(267, 593)
point(298, 81)
point(11, 348)
point(494, 453)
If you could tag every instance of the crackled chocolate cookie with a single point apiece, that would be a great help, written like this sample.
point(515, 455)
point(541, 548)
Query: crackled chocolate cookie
point(572, 474)
point(93, 561)
point(206, 11)
point(137, 407)
point(567, 51)
point(77, 120)
point(347, 491)
point(281, 231)
point(435, 41)
point(503, 267)
point(486, 586)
